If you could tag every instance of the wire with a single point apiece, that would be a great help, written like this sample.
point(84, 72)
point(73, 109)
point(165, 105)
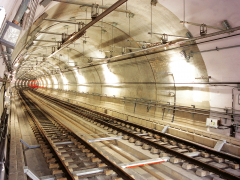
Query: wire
point(129, 25)
point(151, 19)
point(183, 13)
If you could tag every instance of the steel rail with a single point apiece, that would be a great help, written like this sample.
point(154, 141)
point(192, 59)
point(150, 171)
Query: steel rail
point(210, 168)
point(67, 105)
point(111, 165)
point(64, 168)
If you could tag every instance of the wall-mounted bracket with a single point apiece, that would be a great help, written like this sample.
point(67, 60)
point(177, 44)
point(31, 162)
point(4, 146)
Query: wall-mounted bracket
point(29, 146)
point(203, 29)
point(94, 11)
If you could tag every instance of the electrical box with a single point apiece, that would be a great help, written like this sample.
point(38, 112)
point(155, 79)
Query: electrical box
point(210, 122)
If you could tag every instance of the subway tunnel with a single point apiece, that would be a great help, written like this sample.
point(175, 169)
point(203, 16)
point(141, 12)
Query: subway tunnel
point(123, 89)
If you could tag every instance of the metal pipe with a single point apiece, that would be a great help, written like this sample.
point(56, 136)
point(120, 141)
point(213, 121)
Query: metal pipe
point(9, 55)
point(196, 24)
point(168, 35)
point(50, 33)
point(70, 22)
point(61, 21)
point(21, 11)
point(123, 83)
point(124, 47)
point(90, 5)
point(4, 58)
point(43, 46)
point(174, 107)
point(217, 49)
point(45, 40)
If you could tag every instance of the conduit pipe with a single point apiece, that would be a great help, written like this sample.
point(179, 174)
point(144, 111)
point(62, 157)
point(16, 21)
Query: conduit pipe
point(216, 49)
point(9, 54)
point(21, 11)
point(123, 83)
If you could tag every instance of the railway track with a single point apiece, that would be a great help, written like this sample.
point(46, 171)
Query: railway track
point(66, 153)
point(193, 157)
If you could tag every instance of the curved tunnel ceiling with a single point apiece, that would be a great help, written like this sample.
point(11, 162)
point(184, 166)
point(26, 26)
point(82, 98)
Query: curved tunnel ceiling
point(115, 57)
